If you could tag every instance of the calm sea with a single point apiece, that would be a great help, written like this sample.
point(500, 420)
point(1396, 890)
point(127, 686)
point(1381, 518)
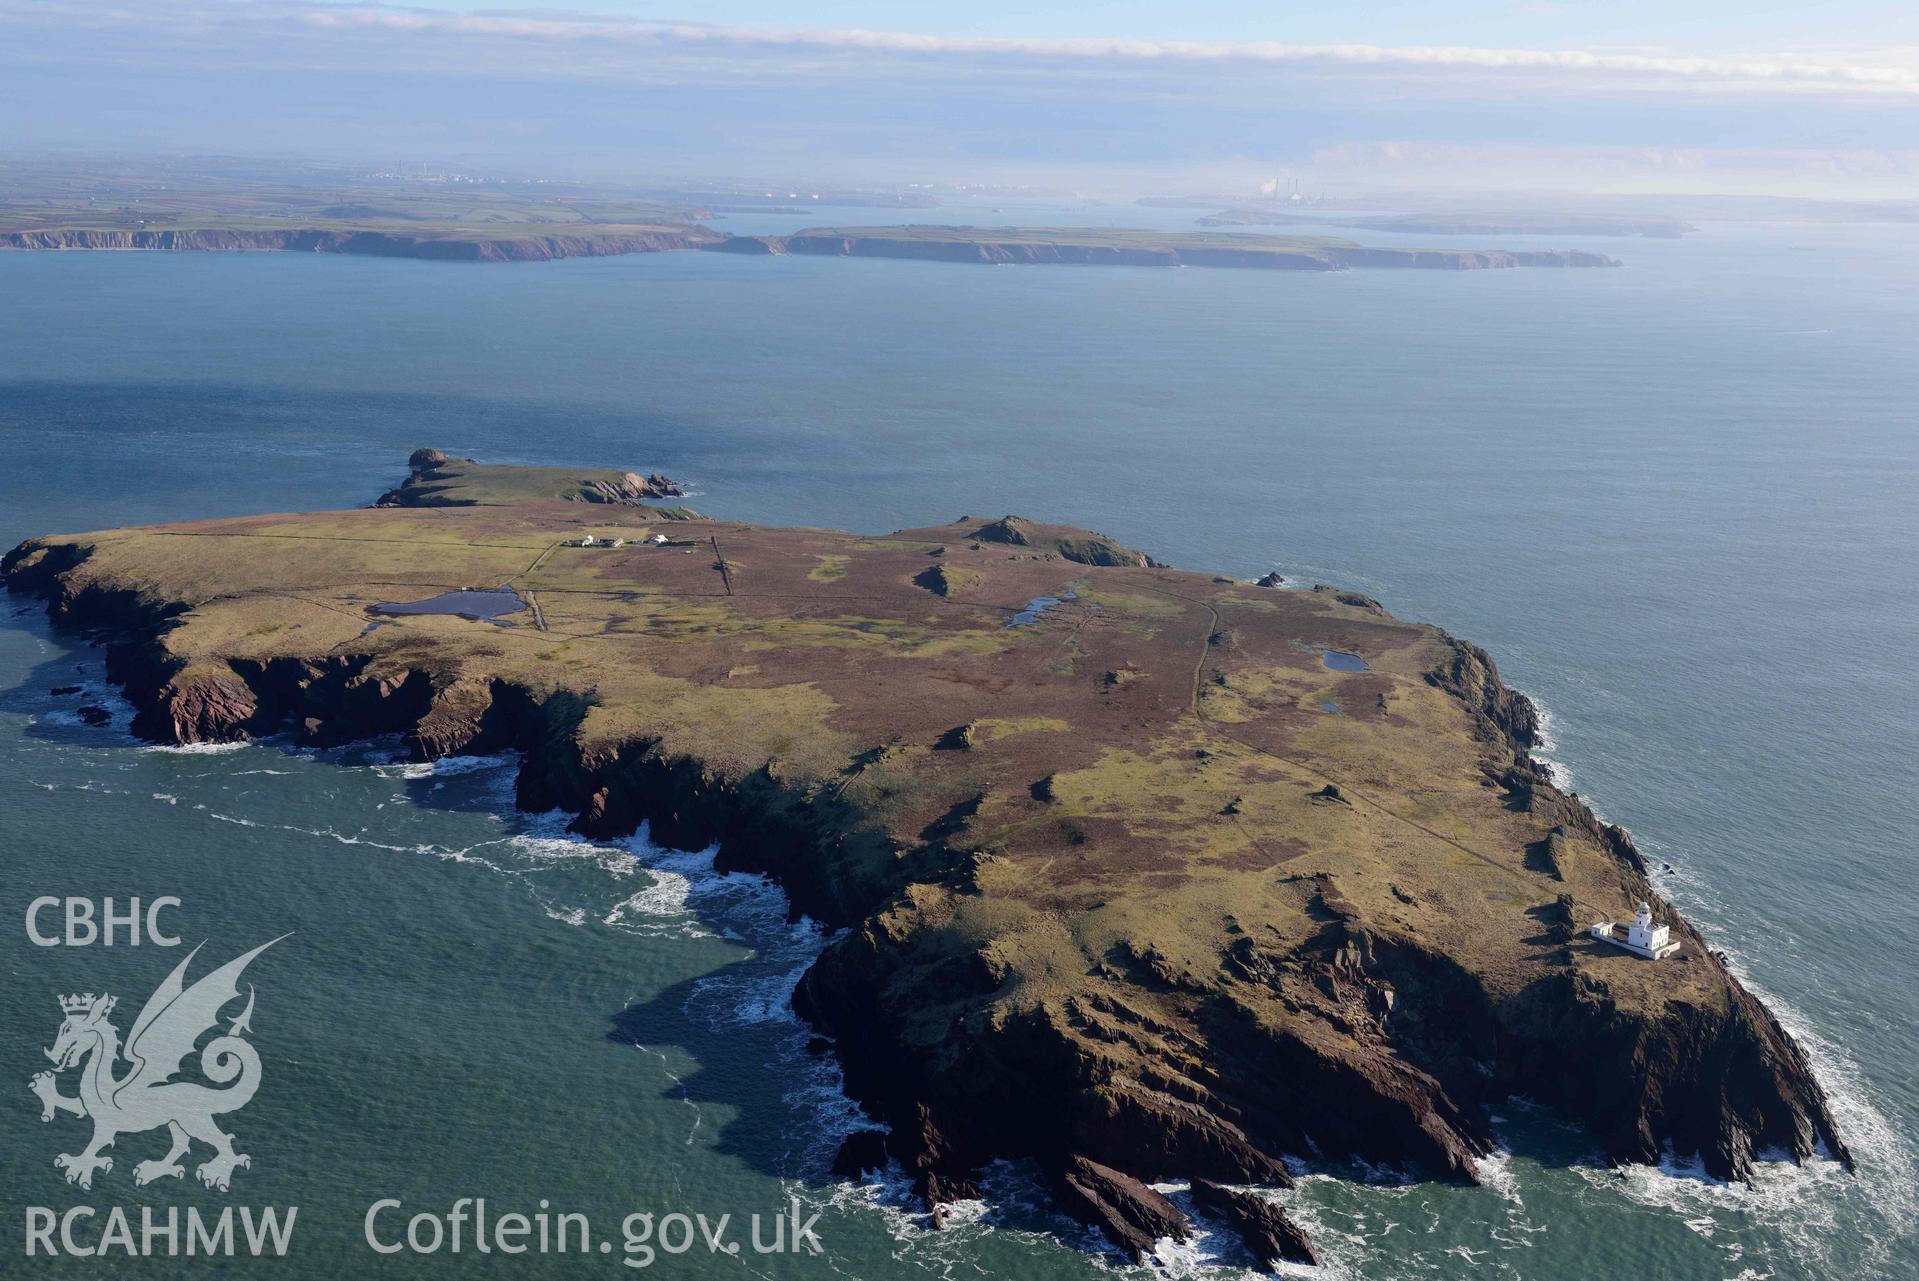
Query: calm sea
point(1679, 502)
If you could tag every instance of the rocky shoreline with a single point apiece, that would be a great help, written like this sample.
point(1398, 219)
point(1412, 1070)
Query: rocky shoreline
point(1362, 1038)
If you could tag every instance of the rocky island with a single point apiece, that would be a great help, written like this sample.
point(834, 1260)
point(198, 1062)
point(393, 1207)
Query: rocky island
point(1142, 874)
point(435, 480)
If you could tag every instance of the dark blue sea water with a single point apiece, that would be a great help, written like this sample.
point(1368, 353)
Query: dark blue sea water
point(1679, 502)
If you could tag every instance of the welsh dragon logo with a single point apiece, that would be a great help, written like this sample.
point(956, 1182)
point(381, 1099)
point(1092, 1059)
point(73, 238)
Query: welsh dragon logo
point(145, 1096)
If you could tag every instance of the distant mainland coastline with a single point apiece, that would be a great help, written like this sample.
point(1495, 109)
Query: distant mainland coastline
point(1130, 247)
point(1083, 246)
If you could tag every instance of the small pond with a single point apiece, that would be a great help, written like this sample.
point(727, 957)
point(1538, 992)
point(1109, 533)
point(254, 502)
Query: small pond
point(487, 605)
point(1037, 607)
point(1340, 661)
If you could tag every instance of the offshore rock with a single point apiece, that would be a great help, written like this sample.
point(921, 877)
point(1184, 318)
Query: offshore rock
point(1263, 1225)
point(1133, 1216)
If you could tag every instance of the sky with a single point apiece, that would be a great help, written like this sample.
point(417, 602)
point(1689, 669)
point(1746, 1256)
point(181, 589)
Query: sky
point(1697, 28)
point(1130, 96)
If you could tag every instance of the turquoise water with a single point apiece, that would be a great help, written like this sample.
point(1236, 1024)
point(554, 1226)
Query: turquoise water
point(1676, 501)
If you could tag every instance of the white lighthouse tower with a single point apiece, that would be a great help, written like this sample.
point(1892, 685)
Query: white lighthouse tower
point(1641, 938)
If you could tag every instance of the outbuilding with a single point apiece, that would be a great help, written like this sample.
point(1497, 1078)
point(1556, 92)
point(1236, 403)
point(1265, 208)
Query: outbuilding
point(1641, 938)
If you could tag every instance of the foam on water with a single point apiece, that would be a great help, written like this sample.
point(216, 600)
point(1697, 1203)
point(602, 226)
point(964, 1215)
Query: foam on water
point(684, 896)
point(445, 766)
point(1545, 748)
point(1808, 1206)
point(195, 749)
point(1496, 1172)
point(64, 711)
point(681, 895)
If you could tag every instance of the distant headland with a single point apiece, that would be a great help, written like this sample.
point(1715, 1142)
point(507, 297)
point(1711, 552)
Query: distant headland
point(538, 222)
point(528, 244)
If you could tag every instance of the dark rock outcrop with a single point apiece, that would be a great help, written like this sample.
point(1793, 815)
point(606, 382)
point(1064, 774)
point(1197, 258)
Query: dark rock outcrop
point(1263, 1225)
point(1062, 541)
point(1133, 1216)
point(631, 488)
point(1015, 530)
point(862, 1151)
point(945, 580)
point(1357, 600)
point(1503, 714)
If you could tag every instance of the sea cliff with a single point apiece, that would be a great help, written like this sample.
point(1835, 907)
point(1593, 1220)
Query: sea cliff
point(1117, 893)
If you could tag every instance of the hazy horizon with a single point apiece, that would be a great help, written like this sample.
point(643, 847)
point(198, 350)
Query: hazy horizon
point(1139, 98)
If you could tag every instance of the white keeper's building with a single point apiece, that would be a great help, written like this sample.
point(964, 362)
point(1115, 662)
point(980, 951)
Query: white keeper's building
point(1641, 938)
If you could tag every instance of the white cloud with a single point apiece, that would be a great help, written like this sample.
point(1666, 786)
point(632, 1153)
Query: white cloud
point(1766, 71)
point(592, 89)
point(598, 45)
